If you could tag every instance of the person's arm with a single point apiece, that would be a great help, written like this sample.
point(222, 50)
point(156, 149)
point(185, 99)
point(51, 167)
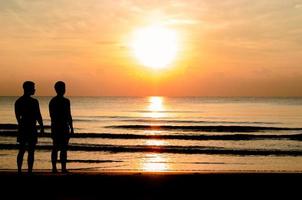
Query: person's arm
point(50, 108)
point(39, 118)
point(17, 113)
point(70, 118)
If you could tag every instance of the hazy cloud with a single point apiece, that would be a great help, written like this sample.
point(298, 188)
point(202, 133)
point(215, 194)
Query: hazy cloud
point(242, 36)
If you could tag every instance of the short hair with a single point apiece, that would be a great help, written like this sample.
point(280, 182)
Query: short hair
point(59, 85)
point(28, 85)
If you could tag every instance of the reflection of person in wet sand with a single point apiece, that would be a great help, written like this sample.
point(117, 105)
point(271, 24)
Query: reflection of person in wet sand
point(27, 113)
point(61, 126)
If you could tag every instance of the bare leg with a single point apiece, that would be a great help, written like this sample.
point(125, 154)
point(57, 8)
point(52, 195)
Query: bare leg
point(54, 157)
point(20, 157)
point(30, 159)
point(63, 157)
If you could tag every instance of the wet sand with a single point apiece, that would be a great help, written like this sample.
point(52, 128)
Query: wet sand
point(150, 185)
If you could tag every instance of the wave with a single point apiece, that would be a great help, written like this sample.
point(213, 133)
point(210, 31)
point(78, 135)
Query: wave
point(167, 111)
point(85, 120)
point(204, 128)
point(202, 163)
point(92, 161)
point(15, 126)
point(194, 121)
point(169, 149)
point(151, 120)
point(194, 163)
point(235, 137)
point(103, 116)
point(8, 126)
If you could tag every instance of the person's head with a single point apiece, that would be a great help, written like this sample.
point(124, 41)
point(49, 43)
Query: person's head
point(29, 88)
point(60, 88)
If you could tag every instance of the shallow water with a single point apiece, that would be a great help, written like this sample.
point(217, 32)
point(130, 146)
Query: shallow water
point(170, 134)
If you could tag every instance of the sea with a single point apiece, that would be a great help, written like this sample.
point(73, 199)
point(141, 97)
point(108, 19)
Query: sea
point(169, 134)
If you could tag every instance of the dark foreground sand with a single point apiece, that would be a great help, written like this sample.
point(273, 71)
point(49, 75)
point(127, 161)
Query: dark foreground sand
point(150, 185)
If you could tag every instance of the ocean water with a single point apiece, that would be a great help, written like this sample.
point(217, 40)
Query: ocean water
point(170, 134)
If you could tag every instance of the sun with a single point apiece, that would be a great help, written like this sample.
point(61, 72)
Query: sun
point(155, 46)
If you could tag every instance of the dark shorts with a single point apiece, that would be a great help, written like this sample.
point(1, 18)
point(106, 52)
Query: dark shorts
point(60, 142)
point(27, 137)
point(27, 145)
point(60, 136)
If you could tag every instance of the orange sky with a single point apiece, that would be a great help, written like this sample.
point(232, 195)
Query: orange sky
point(226, 48)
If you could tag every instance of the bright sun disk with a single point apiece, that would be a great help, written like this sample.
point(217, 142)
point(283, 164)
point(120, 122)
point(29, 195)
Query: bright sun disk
point(155, 46)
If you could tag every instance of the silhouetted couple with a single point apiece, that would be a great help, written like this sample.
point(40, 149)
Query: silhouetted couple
point(28, 114)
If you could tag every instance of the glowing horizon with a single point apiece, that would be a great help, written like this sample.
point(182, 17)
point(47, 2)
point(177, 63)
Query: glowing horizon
point(196, 48)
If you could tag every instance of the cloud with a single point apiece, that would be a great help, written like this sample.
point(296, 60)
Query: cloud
point(298, 6)
point(182, 22)
point(11, 5)
point(241, 34)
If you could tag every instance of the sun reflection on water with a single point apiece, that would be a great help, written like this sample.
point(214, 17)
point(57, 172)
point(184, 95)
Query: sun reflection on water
point(156, 107)
point(154, 163)
point(155, 142)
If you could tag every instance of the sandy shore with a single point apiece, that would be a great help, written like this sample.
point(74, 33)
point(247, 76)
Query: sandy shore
point(149, 185)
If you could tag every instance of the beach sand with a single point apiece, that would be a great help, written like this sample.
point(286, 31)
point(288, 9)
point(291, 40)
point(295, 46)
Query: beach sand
point(149, 185)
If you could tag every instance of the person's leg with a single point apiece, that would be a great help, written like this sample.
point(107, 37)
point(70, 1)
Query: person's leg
point(63, 157)
point(20, 156)
point(64, 154)
point(31, 157)
point(54, 157)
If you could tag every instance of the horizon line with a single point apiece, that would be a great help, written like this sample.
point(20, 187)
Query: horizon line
point(171, 96)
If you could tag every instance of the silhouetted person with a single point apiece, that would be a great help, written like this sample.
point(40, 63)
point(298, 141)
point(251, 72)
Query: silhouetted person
point(61, 126)
point(27, 113)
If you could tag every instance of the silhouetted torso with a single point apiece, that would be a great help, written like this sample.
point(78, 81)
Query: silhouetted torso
point(59, 108)
point(28, 110)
